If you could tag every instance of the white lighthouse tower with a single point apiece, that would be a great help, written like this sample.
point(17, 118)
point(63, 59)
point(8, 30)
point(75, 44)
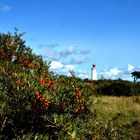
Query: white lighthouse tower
point(93, 72)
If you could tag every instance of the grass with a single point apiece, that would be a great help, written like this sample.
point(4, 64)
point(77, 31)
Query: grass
point(127, 108)
point(121, 111)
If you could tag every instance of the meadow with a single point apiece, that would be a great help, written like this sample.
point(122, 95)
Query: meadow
point(126, 108)
point(123, 111)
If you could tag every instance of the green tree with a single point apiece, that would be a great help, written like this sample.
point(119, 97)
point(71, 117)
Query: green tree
point(136, 75)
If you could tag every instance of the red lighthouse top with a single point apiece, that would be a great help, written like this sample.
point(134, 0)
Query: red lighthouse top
point(93, 65)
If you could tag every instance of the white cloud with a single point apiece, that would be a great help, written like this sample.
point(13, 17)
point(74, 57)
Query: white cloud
point(83, 75)
point(65, 69)
point(56, 65)
point(115, 73)
point(70, 67)
point(4, 7)
point(69, 74)
point(110, 73)
point(130, 68)
point(61, 68)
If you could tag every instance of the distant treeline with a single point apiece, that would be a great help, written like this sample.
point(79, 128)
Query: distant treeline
point(114, 87)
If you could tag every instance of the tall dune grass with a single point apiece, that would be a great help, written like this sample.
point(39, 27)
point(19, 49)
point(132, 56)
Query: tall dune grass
point(124, 109)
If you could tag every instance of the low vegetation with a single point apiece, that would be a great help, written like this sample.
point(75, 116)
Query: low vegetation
point(38, 104)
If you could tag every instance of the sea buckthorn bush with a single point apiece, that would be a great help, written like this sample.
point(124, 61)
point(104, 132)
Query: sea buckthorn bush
point(34, 100)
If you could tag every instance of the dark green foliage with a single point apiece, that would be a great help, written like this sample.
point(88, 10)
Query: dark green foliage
point(114, 87)
point(136, 75)
point(117, 89)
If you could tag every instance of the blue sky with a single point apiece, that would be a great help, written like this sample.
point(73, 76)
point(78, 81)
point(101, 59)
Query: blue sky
point(74, 34)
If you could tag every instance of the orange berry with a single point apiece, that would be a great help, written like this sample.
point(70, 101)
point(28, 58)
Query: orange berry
point(50, 84)
point(77, 90)
point(42, 99)
point(31, 65)
point(42, 82)
point(81, 97)
point(10, 43)
point(77, 108)
point(64, 104)
point(38, 96)
point(46, 102)
point(17, 81)
point(25, 62)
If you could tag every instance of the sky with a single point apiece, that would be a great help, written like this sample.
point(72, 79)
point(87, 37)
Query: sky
point(74, 34)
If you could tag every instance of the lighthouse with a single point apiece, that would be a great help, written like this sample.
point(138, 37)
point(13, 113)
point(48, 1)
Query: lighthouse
point(93, 72)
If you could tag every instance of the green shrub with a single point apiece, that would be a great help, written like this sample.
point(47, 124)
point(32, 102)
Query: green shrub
point(34, 100)
point(119, 88)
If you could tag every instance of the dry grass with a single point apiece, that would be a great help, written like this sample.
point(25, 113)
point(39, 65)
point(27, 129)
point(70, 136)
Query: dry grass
point(127, 109)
